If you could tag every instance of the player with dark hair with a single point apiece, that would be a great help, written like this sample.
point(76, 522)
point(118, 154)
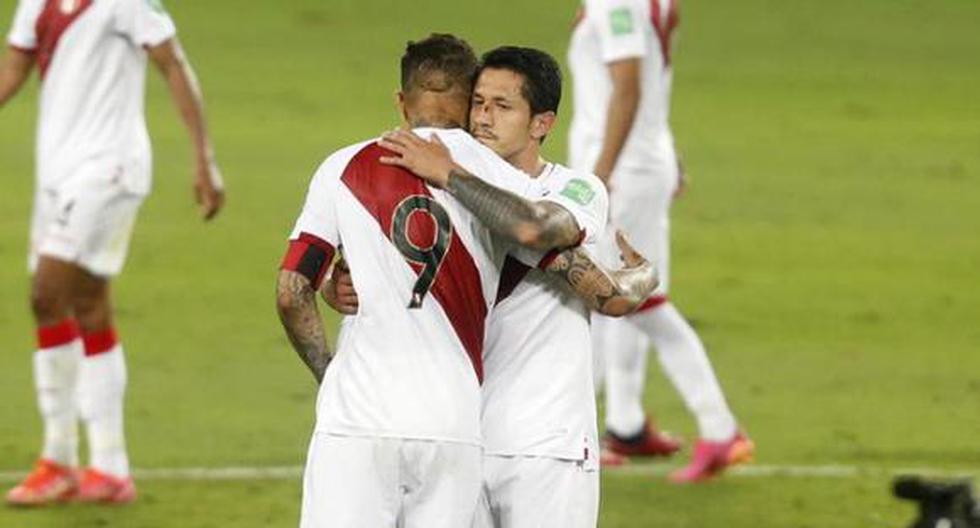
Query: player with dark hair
point(93, 173)
point(397, 439)
point(540, 465)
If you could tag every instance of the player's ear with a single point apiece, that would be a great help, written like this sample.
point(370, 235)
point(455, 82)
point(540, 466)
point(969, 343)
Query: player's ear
point(400, 102)
point(541, 124)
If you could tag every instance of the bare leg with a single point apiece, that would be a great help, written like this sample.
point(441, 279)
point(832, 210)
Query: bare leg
point(52, 288)
point(56, 362)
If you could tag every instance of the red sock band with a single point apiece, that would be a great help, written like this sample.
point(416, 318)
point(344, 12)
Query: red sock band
point(57, 335)
point(99, 342)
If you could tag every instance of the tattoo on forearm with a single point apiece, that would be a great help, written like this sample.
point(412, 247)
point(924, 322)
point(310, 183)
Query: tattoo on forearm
point(543, 225)
point(612, 293)
point(301, 319)
point(590, 282)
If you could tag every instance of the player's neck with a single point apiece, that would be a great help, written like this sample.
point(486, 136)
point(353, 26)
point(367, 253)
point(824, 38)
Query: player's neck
point(436, 111)
point(529, 160)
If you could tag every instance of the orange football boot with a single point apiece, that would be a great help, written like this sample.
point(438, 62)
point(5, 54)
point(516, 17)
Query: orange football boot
point(99, 487)
point(49, 483)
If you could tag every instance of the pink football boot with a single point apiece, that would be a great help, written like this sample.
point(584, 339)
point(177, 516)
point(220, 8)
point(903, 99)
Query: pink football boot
point(711, 458)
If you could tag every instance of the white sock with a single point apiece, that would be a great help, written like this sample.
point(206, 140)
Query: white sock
point(55, 377)
point(625, 352)
point(101, 387)
point(686, 363)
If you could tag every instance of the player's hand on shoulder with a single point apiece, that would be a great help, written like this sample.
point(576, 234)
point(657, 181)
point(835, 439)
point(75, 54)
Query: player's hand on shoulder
point(428, 159)
point(209, 189)
point(338, 290)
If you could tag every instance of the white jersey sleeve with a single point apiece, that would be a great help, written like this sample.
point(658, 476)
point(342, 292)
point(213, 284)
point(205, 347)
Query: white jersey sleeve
point(620, 26)
point(585, 196)
point(145, 22)
point(22, 32)
point(319, 215)
point(581, 194)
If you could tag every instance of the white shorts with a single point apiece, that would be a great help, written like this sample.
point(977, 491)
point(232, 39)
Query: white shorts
point(374, 482)
point(640, 206)
point(537, 492)
point(87, 220)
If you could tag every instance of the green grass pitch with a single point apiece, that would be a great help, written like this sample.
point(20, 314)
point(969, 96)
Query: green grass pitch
point(827, 250)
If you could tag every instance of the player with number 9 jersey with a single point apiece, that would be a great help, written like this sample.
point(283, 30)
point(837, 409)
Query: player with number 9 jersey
point(426, 271)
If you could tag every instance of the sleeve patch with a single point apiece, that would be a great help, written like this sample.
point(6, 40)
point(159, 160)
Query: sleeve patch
point(579, 191)
point(621, 21)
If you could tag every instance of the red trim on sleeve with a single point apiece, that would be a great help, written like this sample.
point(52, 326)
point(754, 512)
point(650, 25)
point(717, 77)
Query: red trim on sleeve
point(309, 256)
point(100, 342)
point(553, 254)
point(651, 303)
point(58, 334)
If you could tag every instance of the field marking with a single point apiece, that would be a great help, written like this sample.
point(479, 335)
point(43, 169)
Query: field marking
point(804, 471)
point(635, 469)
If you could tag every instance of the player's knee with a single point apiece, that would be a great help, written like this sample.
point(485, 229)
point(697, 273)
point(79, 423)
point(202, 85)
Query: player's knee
point(93, 312)
point(49, 304)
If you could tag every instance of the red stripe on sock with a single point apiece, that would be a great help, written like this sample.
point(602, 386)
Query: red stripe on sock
point(652, 303)
point(57, 335)
point(99, 342)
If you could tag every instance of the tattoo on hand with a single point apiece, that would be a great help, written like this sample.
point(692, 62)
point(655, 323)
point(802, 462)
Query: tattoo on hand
point(301, 319)
point(540, 225)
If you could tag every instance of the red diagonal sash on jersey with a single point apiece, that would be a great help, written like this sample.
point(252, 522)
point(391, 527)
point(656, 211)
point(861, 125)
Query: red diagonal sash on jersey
point(55, 19)
point(664, 28)
point(511, 276)
point(382, 189)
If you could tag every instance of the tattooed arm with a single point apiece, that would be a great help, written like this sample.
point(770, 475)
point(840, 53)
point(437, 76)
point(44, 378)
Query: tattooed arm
point(536, 225)
point(296, 302)
point(615, 293)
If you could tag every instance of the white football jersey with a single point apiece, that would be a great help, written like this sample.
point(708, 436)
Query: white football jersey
point(410, 363)
point(538, 395)
point(92, 63)
point(609, 31)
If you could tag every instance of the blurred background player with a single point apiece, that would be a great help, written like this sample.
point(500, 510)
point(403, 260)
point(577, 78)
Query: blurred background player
point(93, 172)
point(620, 58)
